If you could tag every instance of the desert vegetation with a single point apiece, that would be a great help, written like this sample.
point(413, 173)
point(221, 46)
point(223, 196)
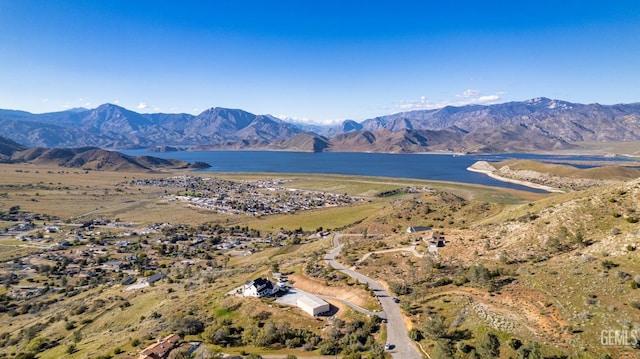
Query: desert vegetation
point(519, 274)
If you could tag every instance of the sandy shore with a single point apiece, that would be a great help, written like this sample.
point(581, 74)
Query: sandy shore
point(491, 174)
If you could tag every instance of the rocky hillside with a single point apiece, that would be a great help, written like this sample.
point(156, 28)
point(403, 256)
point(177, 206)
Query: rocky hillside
point(111, 126)
point(565, 121)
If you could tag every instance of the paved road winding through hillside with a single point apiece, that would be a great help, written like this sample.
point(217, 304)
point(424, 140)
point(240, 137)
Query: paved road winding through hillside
point(403, 347)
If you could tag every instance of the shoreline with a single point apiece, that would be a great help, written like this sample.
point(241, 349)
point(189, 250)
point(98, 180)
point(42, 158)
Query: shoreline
point(515, 181)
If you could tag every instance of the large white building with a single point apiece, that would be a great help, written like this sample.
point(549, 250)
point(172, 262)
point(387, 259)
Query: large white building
point(312, 304)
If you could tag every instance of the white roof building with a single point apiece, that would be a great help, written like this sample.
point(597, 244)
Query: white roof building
point(312, 304)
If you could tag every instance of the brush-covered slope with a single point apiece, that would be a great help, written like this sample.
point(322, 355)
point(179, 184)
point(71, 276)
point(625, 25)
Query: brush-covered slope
point(561, 176)
point(92, 158)
point(8, 148)
point(304, 142)
point(595, 221)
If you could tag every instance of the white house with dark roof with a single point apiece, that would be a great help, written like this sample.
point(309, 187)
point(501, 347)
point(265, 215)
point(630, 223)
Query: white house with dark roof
point(259, 288)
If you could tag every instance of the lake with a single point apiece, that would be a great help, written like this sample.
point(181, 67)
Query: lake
point(437, 167)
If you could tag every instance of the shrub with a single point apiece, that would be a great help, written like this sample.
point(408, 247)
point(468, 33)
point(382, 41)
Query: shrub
point(415, 334)
point(489, 346)
point(435, 327)
point(328, 348)
point(188, 325)
point(37, 344)
point(442, 282)
point(77, 336)
point(515, 343)
point(479, 275)
point(71, 348)
point(464, 347)
point(444, 349)
point(399, 288)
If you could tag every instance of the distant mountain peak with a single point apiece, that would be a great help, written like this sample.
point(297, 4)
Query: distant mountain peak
point(350, 125)
point(106, 106)
point(77, 109)
point(538, 100)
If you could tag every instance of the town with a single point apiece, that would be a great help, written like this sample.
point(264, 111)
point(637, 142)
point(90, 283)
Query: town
point(258, 198)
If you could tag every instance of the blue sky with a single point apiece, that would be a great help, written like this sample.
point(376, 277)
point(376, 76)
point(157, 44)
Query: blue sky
point(317, 61)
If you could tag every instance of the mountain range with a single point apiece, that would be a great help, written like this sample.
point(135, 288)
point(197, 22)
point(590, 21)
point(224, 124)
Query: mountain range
point(533, 125)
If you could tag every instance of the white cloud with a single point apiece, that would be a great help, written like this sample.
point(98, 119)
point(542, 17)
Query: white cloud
point(308, 121)
point(469, 93)
point(331, 121)
point(116, 102)
point(142, 106)
point(488, 98)
point(293, 118)
point(467, 97)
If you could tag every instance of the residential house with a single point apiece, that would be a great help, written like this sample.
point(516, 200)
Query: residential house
point(437, 241)
point(155, 277)
point(113, 265)
point(416, 229)
point(259, 288)
point(160, 349)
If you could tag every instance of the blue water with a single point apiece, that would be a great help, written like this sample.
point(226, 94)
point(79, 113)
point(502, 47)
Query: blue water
point(419, 166)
